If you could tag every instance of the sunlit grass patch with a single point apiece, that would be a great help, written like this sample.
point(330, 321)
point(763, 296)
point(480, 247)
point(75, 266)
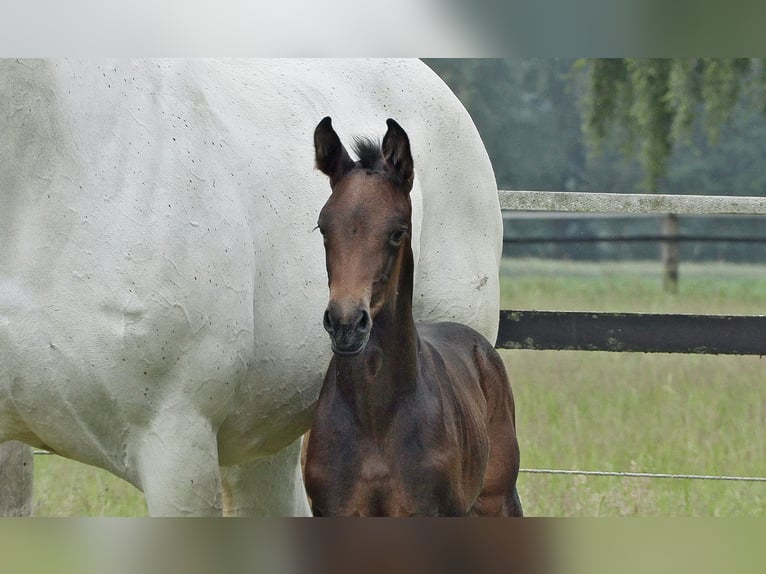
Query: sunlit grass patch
point(64, 487)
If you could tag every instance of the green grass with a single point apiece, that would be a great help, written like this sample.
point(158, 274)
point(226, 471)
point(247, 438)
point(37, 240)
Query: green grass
point(660, 413)
point(687, 414)
point(64, 487)
point(711, 288)
point(639, 412)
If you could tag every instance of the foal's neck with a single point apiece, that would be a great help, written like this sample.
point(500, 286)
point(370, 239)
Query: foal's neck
point(386, 370)
point(394, 327)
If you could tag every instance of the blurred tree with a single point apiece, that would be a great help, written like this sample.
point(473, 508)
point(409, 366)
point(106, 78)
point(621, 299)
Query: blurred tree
point(654, 102)
point(526, 112)
point(541, 121)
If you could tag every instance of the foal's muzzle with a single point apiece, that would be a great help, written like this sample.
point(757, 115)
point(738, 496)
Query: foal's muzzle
point(349, 329)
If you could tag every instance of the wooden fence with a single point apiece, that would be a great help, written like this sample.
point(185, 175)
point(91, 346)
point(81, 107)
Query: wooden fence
point(725, 334)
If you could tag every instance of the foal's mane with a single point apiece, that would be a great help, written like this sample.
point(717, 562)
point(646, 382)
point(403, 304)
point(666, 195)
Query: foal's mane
point(369, 152)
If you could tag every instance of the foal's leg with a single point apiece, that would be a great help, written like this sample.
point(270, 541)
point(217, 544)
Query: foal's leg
point(271, 486)
point(513, 504)
point(497, 500)
point(499, 496)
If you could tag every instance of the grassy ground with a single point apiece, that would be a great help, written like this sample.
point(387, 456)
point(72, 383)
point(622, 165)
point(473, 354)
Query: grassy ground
point(712, 288)
point(686, 414)
point(64, 487)
point(585, 410)
point(637, 412)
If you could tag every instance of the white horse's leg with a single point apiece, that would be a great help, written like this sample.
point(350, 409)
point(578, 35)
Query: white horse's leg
point(178, 467)
point(271, 486)
point(15, 479)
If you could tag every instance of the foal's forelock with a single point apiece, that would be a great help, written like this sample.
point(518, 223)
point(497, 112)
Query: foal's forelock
point(369, 152)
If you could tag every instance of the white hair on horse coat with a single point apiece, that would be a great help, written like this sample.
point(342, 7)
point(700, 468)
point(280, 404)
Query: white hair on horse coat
point(161, 292)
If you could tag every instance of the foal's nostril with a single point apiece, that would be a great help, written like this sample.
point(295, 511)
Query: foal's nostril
point(363, 322)
point(327, 322)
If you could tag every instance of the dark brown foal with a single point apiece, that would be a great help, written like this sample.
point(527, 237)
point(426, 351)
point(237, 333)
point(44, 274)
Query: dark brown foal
point(412, 419)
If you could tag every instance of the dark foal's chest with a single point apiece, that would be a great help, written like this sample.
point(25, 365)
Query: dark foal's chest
point(397, 479)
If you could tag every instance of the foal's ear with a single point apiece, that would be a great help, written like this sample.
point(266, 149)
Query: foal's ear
point(397, 155)
point(331, 157)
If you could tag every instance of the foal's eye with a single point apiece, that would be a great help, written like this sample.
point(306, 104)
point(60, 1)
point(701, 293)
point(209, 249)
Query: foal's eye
point(397, 237)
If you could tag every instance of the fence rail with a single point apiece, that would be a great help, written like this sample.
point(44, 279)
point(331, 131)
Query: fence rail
point(621, 474)
point(633, 203)
point(635, 239)
point(636, 332)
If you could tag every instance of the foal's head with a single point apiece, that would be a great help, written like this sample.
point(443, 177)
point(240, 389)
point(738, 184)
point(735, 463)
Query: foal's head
point(366, 226)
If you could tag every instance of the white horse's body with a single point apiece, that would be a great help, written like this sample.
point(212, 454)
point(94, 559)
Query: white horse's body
point(161, 290)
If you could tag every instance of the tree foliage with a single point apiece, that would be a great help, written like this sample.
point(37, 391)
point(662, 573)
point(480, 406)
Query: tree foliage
point(527, 115)
point(531, 114)
point(654, 102)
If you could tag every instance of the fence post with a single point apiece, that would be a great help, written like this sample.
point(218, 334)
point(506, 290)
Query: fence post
point(671, 253)
point(15, 479)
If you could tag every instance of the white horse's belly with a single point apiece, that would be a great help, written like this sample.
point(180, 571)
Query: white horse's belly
point(96, 348)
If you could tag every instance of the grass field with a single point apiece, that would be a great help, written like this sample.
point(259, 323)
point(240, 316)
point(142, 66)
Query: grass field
point(656, 413)
point(659, 413)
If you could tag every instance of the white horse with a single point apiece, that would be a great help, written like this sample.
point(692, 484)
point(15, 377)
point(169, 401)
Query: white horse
point(161, 290)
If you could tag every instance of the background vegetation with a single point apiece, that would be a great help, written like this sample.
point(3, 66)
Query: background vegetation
point(690, 126)
point(674, 126)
